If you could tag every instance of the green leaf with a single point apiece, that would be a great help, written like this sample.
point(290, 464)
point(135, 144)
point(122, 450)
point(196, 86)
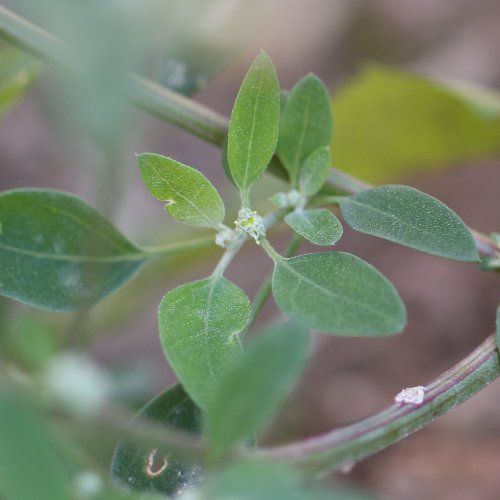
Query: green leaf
point(32, 342)
point(314, 172)
point(268, 481)
point(253, 128)
point(30, 464)
point(17, 72)
point(172, 408)
point(255, 385)
point(411, 218)
point(191, 197)
point(59, 253)
point(319, 226)
point(338, 293)
point(390, 122)
point(199, 326)
point(306, 124)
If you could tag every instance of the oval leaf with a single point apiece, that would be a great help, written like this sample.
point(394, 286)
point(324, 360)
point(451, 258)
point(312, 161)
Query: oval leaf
point(319, 226)
point(314, 172)
point(253, 388)
point(199, 326)
point(59, 253)
point(129, 467)
point(253, 128)
point(409, 217)
point(338, 293)
point(306, 124)
point(191, 197)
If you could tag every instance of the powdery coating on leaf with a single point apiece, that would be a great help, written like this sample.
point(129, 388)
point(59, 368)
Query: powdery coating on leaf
point(411, 395)
point(253, 128)
point(199, 326)
point(412, 218)
point(337, 293)
point(59, 253)
point(319, 226)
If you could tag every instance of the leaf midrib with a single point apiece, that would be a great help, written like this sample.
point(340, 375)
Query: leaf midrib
point(160, 174)
point(331, 293)
point(250, 141)
point(390, 215)
point(72, 258)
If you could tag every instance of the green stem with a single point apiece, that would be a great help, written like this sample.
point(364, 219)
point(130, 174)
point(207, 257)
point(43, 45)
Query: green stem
point(228, 256)
point(269, 249)
point(155, 99)
point(265, 289)
point(342, 448)
point(176, 247)
point(32, 38)
point(181, 111)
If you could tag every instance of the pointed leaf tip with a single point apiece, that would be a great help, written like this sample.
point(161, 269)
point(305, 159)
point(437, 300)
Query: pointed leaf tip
point(253, 128)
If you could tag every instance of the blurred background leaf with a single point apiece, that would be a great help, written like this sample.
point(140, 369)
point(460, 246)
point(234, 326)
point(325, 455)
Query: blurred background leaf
point(31, 466)
point(173, 408)
point(389, 123)
point(17, 72)
point(204, 36)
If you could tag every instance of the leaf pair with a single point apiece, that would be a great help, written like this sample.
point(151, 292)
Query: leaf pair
point(305, 134)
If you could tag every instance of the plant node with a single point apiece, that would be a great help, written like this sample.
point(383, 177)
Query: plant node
point(250, 223)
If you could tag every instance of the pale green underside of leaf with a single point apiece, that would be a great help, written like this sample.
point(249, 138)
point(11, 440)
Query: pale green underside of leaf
point(256, 384)
point(191, 197)
point(306, 124)
point(199, 327)
point(59, 253)
point(337, 293)
point(319, 226)
point(314, 172)
point(172, 408)
point(253, 128)
point(411, 218)
point(391, 122)
point(17, 73)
